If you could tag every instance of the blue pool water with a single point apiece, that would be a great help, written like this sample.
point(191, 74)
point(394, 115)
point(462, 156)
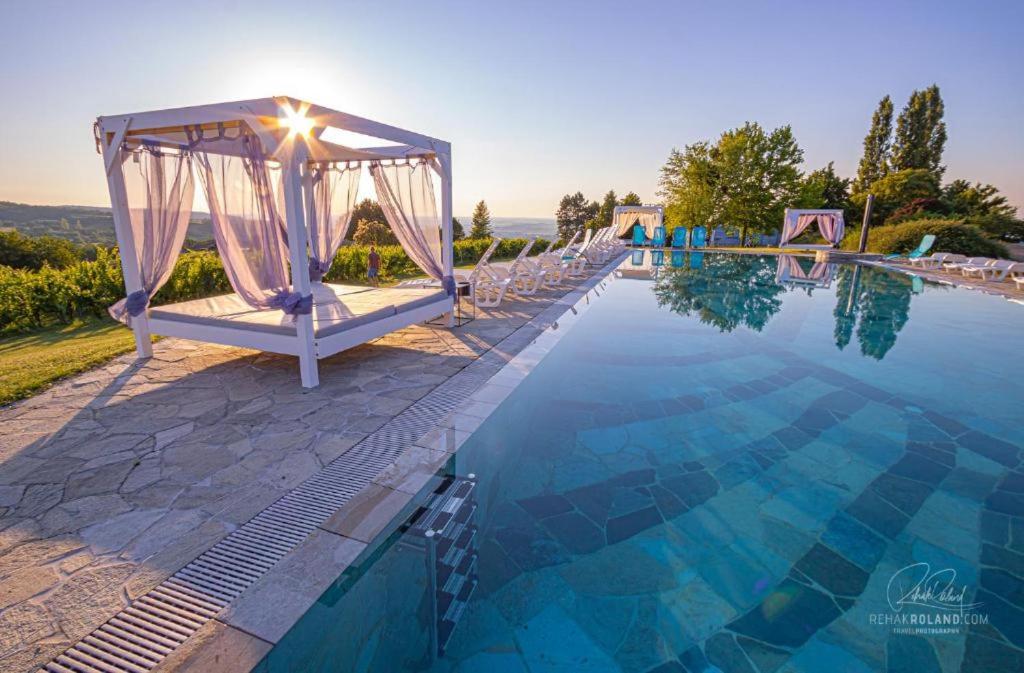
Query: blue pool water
point(726, 463)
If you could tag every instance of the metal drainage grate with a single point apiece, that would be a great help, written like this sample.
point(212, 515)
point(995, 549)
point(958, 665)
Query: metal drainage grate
point(140, 636)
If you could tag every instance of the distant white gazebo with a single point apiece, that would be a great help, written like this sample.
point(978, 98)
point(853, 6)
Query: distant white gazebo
point(830, 224)
point(649, 217)
point(280, 188)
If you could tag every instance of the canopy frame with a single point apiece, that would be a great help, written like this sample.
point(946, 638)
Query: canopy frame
point(296, 152)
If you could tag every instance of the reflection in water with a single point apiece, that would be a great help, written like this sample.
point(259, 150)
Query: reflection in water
point(728, 291)
point(722, 290)
point(790, 271)
point(876, 303)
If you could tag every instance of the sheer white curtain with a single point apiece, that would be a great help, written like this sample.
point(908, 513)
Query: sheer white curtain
point(330, 213)
point(831, 227)
point(649, 221)
point(794, 227)
point(406, 194)
point(247, 227)
point(159, 187)
point(624, 222)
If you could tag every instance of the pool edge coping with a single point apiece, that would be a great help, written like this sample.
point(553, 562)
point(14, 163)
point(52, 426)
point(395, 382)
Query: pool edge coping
point(301, 573)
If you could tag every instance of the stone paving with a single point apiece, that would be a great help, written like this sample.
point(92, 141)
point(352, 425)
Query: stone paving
point(113, 480)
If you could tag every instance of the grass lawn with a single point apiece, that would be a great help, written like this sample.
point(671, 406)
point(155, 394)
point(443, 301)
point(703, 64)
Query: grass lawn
point(33, 361)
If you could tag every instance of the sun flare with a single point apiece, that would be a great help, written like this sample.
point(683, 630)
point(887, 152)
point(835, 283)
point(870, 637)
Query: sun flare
point(296, 121)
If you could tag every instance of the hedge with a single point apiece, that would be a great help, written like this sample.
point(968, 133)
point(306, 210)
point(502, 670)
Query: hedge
point(950, 236)
point(32, 299)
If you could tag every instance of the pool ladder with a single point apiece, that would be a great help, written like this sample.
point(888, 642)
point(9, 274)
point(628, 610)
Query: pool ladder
point(448, 528)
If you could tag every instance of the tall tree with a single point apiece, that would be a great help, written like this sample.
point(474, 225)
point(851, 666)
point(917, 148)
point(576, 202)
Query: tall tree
point(758, 176)
point(874, 164)
point(631, 199)
point(481, 222)
point(966, 199)
point(458, 233)
point(574, 211)
point(688, 187)
point(921, 133)
point(824, 188)
point(606, 210)
point(369, 210)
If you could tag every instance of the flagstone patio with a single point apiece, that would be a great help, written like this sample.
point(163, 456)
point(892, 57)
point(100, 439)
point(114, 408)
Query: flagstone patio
point(113, 480)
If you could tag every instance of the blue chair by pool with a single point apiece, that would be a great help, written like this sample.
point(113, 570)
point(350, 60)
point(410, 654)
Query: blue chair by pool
point(679, 237)
point(659, 237)
point(639, 236)
point(922, 248)
point(699, 237)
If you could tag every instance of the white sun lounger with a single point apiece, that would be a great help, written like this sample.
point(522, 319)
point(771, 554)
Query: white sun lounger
point(970, 261)
point(525, 280)
point(936, 260)
point(997, 270)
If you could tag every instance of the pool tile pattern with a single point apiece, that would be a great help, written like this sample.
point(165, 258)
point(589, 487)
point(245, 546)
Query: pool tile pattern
point(717, 503)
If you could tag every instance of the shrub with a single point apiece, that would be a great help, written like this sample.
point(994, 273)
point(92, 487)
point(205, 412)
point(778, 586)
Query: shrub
point(1000, 226)
point(31, 299)
point(950, 236)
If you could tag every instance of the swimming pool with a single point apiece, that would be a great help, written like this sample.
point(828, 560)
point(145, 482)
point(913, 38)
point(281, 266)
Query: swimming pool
point(726, 462)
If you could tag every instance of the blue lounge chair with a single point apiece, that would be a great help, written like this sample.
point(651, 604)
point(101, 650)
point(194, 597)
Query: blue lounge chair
point(639, 237)
point(659, 237)
point(922, 248)
point(698, 238)
point(679, 237)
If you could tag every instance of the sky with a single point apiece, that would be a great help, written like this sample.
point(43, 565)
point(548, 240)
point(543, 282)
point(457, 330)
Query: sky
point(538, 99)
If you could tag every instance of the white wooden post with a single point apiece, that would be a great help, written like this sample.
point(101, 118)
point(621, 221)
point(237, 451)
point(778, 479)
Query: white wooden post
point(447, 243)
point(295, 176)
point(125, 235)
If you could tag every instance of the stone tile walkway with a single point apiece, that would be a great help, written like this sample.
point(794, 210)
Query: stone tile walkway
point(113, 480)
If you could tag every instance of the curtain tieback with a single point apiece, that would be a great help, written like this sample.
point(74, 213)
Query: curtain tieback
point(317, 269)
point(448, 283)
point(292, 303)
point(136, 302)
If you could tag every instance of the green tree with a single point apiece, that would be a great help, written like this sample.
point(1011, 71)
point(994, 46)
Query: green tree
point(824, 188)
point(368, 209)
point(606, 211)
point(966, 199)
point(574, 211)
point(371, 232)
point(874, 164)
point(631, 199)
point(458, 233)
point(481, 222)
point(898, 189)
point(32, 252)
point(757, 176)
point(921, 133)
point(688, 186)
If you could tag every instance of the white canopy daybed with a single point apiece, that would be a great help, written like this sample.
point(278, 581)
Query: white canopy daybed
point(624, 217)
point(280, 198)
point(830, 224)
